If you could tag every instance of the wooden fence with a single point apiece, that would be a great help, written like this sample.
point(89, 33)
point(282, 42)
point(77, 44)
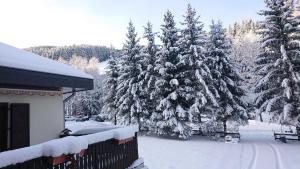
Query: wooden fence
point(110, 154)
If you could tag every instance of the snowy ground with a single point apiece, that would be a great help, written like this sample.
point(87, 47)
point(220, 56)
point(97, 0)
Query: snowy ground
point(257, 150)
point(88, 127)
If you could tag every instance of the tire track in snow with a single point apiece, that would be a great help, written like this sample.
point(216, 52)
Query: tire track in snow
point(241, 155)
point(275, 155)
point(279, 164)
point(254, 157)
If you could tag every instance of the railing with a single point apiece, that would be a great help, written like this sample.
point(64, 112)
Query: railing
point(217, 133)
point(109, 154)
point(286, 136)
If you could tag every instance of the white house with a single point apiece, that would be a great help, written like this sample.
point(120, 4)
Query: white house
point(31, 96)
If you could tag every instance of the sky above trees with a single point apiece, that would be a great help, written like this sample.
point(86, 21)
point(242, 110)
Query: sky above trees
point(103, 22)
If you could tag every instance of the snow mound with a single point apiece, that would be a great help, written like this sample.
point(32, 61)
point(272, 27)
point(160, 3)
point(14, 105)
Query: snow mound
point(67, 145)
point(88, 127)
point(119, 134)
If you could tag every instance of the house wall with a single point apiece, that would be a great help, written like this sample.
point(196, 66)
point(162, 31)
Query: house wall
point(46, 115)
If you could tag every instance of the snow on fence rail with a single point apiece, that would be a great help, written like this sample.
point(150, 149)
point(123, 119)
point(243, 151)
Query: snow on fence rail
point(64, 146)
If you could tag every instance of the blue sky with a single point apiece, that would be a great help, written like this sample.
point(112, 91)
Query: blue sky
point(104, 22)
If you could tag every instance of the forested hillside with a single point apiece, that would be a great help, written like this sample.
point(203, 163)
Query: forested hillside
point(66, 52)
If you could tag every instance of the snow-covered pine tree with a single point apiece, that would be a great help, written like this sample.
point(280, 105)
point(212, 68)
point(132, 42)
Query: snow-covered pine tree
point(129, 90)
point(198, 89)
point(172, 110)
point(279, 63)
point(111, 83)
point(91, 101)
point(231, 106)
point(245, 48)
point(86, 102)
point(149, 76)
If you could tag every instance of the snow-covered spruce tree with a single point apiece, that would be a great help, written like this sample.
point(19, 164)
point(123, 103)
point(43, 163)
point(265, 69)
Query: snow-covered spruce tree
point(231, 107)
point(245, 47)
point(91, 101)
point(111, 83)
point(279, 63)
point(198, 89)
point(86, 102)
point(172, 110)
point(129, 90)
point(149, 76)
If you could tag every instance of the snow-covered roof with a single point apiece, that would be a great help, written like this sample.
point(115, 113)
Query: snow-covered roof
point(13, 57)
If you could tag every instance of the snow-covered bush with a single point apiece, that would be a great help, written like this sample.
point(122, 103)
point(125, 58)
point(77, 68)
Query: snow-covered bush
point(210, 127)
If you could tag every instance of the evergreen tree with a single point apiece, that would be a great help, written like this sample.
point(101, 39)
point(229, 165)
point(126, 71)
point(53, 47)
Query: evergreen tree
point(129, 90)
point(111, 84)
point(149, 75)
point(86, 102)
point(245, 47)
point(91, 101)
point(279, 63)
point(198, 90)
point(172, 110)
point(225, 76)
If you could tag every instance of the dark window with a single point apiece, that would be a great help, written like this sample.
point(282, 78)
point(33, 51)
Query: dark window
point(19, 135)
point(3, 126)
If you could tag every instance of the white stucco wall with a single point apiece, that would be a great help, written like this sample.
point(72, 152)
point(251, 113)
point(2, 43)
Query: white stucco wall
point(46, 115)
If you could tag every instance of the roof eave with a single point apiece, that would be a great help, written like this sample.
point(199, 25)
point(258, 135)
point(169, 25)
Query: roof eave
point(19, 78)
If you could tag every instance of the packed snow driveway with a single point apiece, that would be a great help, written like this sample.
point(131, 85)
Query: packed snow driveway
point(257, 150)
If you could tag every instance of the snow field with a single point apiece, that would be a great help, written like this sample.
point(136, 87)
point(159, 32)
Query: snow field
point(257, 150)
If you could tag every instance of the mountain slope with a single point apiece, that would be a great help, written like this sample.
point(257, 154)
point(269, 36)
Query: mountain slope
point(86, 51)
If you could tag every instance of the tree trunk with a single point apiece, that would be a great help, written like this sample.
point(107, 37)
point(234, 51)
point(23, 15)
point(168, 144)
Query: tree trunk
point(115, 119)
point(225, 126)
point(139, 121)
point(199, 118)
point(260, 118)
point(129, 118)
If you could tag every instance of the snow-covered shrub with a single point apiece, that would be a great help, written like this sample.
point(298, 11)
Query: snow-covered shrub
point(233, 127)
point(210, 127)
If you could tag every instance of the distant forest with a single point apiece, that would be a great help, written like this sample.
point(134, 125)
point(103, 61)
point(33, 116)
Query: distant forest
point(102, 53)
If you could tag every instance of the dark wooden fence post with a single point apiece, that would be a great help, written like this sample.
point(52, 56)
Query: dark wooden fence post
point(298, 132)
